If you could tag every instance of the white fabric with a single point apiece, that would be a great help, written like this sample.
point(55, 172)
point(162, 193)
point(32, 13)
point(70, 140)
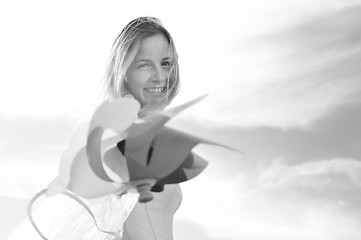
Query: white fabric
point(60, 217)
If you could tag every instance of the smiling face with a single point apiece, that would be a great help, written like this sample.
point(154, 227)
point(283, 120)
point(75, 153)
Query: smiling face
point(146, 78)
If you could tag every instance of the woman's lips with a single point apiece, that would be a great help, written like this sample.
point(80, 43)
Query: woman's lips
point(155, 90)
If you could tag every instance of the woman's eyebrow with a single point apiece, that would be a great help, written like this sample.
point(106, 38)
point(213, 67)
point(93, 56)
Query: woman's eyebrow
point(143, 60)
point(149, 60)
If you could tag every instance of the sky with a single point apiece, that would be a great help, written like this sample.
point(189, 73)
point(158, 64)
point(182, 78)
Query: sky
point(284, 87)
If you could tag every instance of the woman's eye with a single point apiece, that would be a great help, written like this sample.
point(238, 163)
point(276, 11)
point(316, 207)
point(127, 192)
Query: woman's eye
point(167, 64)
point(144, 65)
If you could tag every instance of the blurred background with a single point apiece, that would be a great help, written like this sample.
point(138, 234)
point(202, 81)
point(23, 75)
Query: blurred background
point(284, 84)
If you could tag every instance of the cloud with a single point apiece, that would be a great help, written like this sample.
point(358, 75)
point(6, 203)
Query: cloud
point(290, 77)
point(21, 135)
point(191, 231)
point(51, 68)
point(337, 134)
point(13, 211)
point(31, 152)
point(312, 200)
point(24, 177)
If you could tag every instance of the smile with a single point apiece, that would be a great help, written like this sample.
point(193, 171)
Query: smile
point(155, 90)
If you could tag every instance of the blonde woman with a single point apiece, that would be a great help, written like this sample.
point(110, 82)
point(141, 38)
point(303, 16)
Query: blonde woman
point(143, 65)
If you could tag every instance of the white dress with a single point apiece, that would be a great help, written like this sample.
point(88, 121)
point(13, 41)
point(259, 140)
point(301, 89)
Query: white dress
point(60, 217)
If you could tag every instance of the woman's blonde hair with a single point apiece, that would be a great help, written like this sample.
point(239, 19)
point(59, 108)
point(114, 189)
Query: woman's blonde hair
point(123, 53)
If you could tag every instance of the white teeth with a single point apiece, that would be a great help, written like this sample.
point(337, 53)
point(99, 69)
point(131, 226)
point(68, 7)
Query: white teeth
point(154, 90)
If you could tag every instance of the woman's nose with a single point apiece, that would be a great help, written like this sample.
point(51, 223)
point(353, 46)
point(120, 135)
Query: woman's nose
point(159, 75)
